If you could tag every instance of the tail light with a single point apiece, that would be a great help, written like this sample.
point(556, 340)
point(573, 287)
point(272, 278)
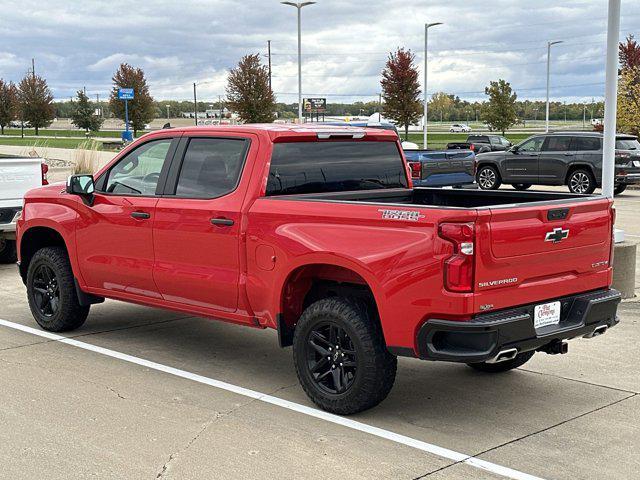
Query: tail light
point(44, 168)
point(416, 169)
point(459, 268)
point(620, 154)
point(613, 236)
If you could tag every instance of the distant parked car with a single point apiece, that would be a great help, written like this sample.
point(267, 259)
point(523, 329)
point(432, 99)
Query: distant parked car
point(482, 144)
point(567, 158)
point(459, 128)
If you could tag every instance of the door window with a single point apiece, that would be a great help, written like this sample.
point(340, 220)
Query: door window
point(557, 144)
point(532, 145)
point(211, 167)
point(139, 171)
point(586, 144)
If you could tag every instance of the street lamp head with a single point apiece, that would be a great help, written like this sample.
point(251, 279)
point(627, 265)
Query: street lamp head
point(556, 42)
point(429, 25)
point(298, 5)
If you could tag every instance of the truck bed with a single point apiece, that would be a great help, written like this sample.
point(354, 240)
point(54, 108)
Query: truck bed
point(442, 198)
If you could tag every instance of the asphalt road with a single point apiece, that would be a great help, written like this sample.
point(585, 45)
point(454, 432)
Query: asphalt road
point(86, 410)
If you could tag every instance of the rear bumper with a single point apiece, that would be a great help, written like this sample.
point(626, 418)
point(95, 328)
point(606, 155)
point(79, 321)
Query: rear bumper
point(483, 337)
point(629, 179)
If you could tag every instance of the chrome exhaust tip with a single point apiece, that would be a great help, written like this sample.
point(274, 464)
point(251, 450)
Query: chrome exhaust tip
point(597, 331)
point(504, 355)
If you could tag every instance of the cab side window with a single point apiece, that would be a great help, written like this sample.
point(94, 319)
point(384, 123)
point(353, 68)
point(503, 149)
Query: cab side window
point(139, 171)
point(532, 145)
point(211, 167)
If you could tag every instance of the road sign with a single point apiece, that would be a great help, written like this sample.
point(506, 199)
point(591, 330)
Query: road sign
point(125, 94)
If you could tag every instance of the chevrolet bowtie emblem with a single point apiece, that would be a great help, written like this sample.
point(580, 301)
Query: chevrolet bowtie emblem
point(557, 235)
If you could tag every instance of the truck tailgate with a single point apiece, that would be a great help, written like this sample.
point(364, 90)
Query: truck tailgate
point(529, 253)
point(17, 176)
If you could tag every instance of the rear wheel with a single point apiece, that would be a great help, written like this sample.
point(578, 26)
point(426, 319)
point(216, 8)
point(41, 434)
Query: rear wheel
point(488, 178)
point(521, 186)
point(7, 251)
point(51, 291)
point(340, 356)
point(581, 181)
point(505, 366)
point(619, 189)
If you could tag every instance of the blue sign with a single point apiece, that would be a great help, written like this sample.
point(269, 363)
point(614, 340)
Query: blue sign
point(125, 94)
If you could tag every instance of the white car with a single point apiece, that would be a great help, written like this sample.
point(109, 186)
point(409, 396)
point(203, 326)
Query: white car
point(459, 128)
point(17, 175)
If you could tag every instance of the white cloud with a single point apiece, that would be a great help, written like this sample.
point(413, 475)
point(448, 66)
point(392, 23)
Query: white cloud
point(345, 43)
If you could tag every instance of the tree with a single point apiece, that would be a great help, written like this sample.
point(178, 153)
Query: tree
point(248, 92)
point(401, 90)
point(141, 109)
point(83, 116)
point(628, 118)
point(629, 52)
point(8, 104)
point(441, 103)
point(500, 111)
point(35, 102)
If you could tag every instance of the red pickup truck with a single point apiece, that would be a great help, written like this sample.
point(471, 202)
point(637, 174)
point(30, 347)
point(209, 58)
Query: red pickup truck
point(318, 233)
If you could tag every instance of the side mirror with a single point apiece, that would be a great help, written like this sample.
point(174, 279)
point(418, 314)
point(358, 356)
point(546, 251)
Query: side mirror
point(514, 149)
point(83, 186)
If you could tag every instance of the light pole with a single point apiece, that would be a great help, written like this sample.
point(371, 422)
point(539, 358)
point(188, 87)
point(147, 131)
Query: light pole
point(299, 6)
point(427, 26)
point(610, 99)
point(167, 111)
point(548, 75)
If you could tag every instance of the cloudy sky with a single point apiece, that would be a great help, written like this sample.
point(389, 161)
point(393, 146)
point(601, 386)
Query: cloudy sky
point(345, 44)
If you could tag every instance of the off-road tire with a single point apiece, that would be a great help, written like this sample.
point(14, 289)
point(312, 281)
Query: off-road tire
point(375, 367)
point(505, 366)
point(8, 251)
point(69, 314)
point(488, 178)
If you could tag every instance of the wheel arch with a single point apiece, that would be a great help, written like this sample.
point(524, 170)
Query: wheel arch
point(310, 282)
point(579, 166)
point(35, 238)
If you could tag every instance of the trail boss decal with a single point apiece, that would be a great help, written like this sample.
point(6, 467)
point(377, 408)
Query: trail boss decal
point(411, 215)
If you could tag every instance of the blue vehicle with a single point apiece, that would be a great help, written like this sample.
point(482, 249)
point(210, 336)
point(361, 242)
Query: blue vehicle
point(441, 168)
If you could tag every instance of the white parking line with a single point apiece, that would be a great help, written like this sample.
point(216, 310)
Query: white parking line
point(634, 236)
point(296, 407)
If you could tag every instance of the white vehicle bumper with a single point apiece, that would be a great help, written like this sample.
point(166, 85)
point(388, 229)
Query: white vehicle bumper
point(8, 228)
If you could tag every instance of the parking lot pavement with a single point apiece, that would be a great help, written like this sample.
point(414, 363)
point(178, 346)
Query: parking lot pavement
point(66, 409)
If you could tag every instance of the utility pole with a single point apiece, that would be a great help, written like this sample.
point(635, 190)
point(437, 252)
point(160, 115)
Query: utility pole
point(269, 56)
point(98, 104)
point(584, 117)
point(195, 104)
point(426, 98)
point(221, 108)
point(380, 107)
point(549, 44)
point(299, 6)
point(33, 68)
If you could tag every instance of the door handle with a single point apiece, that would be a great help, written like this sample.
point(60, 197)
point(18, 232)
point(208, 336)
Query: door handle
point(141, 215)
point(222, 222)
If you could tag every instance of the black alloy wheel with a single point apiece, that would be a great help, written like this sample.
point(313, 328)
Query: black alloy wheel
point(46, 291)
point(331, 358)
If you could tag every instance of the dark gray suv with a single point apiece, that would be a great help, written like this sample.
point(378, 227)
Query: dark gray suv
point(563, 158)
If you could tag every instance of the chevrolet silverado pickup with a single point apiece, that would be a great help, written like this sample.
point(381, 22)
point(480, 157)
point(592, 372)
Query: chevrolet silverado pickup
point(317, 233)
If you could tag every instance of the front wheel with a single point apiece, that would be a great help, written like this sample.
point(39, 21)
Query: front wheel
point(581, 181)
point(51, 291)
point(341, 360)
point(505, 366)
point(521, 186)
point(488, 178)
